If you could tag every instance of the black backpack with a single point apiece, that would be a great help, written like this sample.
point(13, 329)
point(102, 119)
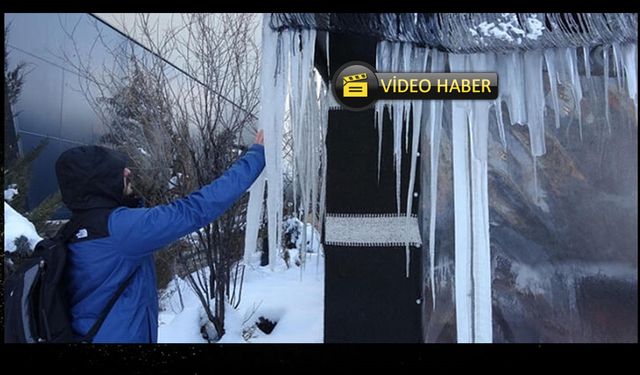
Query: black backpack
point(35, 299)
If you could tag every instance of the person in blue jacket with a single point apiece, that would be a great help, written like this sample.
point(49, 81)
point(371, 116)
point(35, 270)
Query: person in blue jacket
point(118, 237)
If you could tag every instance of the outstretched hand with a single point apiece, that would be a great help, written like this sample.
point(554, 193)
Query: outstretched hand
point(260, 137)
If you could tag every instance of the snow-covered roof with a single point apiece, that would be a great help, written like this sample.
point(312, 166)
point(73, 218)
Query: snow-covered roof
point(475, 32)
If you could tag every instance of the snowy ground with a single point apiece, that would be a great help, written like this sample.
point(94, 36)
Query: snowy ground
point(293, 298)
point(16, 225)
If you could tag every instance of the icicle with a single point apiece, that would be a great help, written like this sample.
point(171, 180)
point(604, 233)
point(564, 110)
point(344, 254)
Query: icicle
point(276, 49)
point(326, 40)
point(536, 195)
point(383, 64)
point(549, 57)
point(313, 160)
point(311, 153)
point(417, 110)
point(563, 66)
point(418, 64)
point(324, 116)
point(462, 217)
point(435, 122)
point(587, 62)
point(492, 64)
point(587, 67)
point(398, 109)
point(294, 105)
point(472, 251)
point(407, 54)
point(535, 100)
point(630, 56)
point(511, 67)
point(254, 214)
point(576, 86)
point(397, 148)
point(303, 107)
point(481, 253)
point(462, 222)
point(498, 108)
point(605, 64)
point(380, 121)
point(617, 63)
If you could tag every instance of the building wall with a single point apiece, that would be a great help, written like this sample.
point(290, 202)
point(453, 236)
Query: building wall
point(52, 104)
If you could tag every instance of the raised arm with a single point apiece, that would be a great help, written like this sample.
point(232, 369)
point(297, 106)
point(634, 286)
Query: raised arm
point(143, 230)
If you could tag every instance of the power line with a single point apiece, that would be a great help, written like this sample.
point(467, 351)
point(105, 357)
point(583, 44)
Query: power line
point(52, 137)
point(173, 65)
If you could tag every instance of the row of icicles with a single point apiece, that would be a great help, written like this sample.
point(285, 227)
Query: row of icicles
point(289, 81)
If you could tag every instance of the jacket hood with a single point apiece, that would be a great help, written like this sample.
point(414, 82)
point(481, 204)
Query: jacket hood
point(91, 177)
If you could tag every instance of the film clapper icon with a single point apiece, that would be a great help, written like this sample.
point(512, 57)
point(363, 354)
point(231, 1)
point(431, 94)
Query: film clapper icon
point(355, 86)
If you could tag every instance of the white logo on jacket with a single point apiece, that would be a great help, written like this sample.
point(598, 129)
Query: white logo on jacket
point(82, 233)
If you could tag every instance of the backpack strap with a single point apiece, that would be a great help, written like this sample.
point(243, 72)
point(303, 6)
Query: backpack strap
point(65, 234)
point(103, 315)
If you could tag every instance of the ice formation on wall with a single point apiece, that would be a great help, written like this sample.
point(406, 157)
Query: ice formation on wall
point(521, 80)
point(273, 91)
point(522, 74)
point(308, 121)
point(288, 75)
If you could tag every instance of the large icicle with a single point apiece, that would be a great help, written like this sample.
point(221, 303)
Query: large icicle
point(587, 62)
point(462, 221)
point(472, 250)
point(305, 127)
point(417, 110)
point(549, 58)
point(535, 108)
point(398, 109)
point(435, 124)
point(617, 63)
point(308, 125)
point(276, 49)
point(497, 104)
point(407, 65)
point(535, 100)
point(254, 214)
point(563, 66)
point(481, 260)
point(462, 218)
point(630, 62)
point(587, 67)
point(512, 69)
point(383, 64)
point(605, 64)
point(324, 118)
point(418, 64)
point(576, 86)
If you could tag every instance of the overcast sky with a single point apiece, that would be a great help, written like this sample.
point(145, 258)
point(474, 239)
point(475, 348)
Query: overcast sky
point(125, 22)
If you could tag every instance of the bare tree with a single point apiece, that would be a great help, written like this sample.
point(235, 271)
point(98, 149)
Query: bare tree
point(182, 130)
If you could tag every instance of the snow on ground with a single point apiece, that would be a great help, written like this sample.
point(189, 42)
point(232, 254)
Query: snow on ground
point(16, 225)
point(293, 298)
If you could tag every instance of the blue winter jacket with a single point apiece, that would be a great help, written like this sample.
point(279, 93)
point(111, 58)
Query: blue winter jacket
point(98, 266)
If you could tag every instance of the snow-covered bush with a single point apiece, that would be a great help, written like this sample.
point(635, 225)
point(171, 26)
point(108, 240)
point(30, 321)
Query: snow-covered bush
point(293, 229)
point(18, 231)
